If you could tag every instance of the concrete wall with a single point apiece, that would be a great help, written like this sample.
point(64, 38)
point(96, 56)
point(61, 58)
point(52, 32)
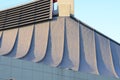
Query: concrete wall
point(63, 43)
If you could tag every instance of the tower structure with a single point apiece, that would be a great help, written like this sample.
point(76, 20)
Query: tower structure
point(66, 7)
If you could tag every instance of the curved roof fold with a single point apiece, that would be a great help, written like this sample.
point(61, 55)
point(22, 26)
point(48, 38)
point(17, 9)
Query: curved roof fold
point(63, 42)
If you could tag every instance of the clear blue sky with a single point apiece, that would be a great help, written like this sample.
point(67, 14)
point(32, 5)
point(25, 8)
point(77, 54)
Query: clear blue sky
point(102, 15)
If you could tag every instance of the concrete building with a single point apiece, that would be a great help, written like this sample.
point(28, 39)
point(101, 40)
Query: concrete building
point(37, 45)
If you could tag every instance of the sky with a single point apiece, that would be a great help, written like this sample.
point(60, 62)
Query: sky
point(102, 15)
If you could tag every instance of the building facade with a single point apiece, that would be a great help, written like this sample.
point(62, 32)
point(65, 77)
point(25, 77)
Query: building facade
point(36, 45)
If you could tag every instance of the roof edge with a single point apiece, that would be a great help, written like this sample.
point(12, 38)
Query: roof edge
point(86, 25)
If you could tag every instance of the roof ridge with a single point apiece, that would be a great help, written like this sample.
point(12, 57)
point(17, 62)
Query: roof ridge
point(86, 25)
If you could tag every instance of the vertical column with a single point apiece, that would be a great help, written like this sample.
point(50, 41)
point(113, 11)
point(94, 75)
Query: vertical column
point(66, 7)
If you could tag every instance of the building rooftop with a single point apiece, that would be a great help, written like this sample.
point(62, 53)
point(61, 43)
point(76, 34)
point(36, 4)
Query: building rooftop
point(58, 41)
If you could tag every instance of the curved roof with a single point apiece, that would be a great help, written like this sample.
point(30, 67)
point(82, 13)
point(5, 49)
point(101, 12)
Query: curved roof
point(63, 42)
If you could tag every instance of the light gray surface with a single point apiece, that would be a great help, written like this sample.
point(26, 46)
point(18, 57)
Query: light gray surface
point(65, 43)
point(55, 45)
point(57, 40)
point(41, 40)
point(88, 62)
point(115, 49)
point(104, 56)
point(7, 41)
point(72, 45)
point(24, 41)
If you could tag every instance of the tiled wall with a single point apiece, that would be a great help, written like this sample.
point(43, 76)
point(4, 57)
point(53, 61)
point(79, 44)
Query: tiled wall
point(23, 70)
